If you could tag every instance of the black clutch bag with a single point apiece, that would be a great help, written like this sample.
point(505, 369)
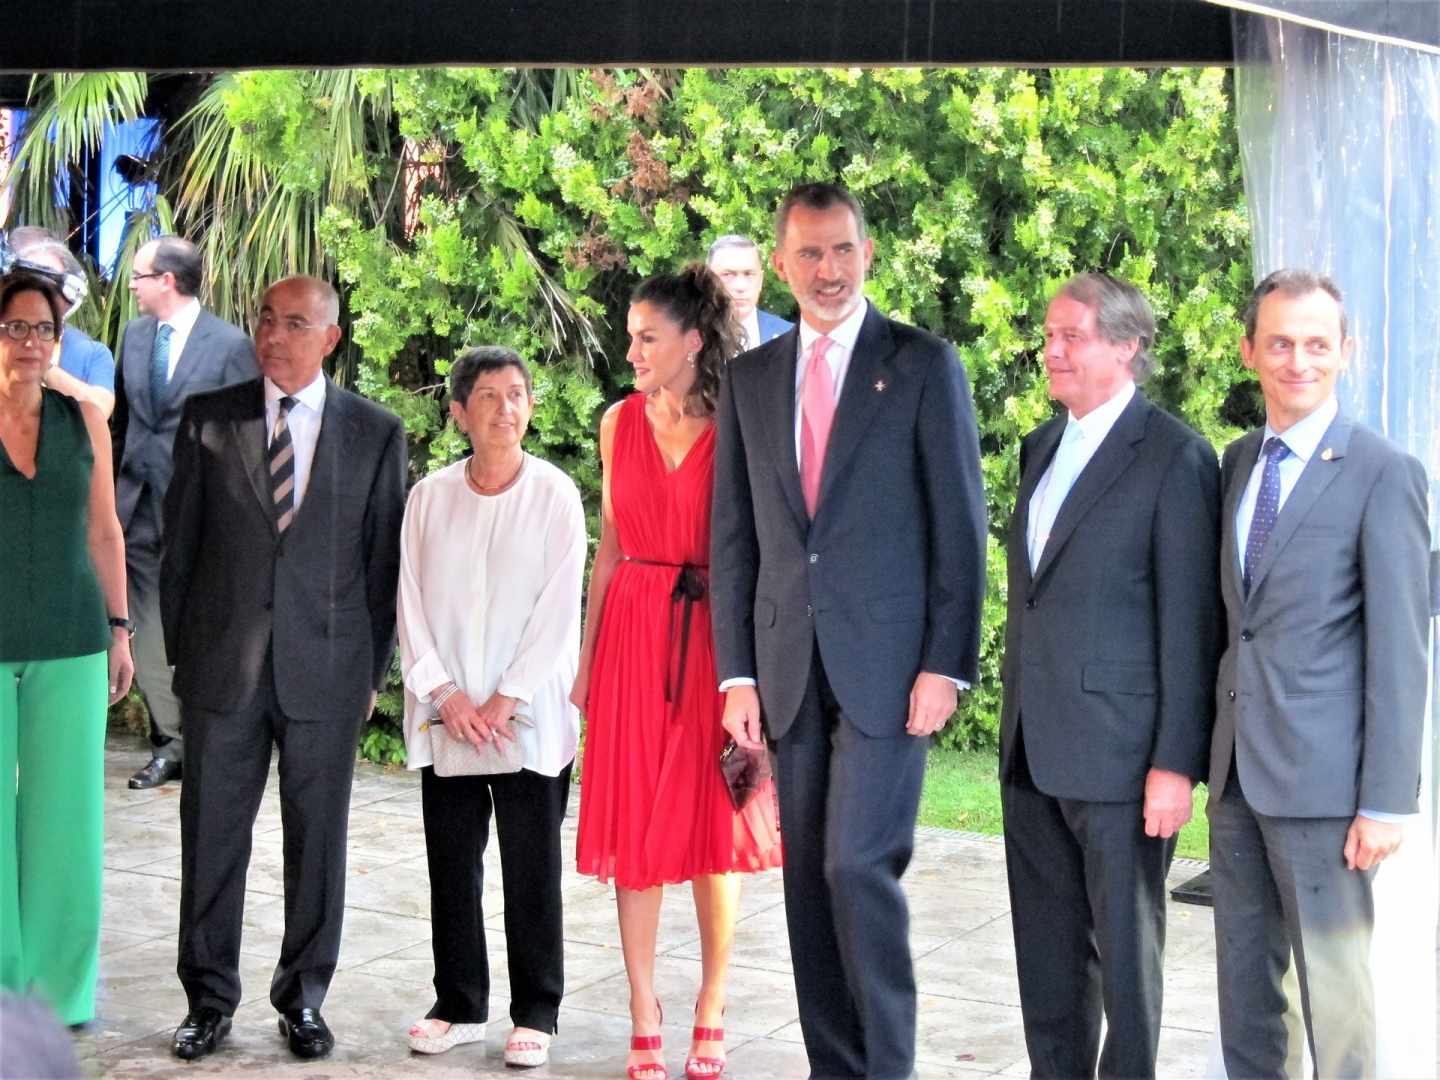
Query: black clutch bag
point(744, 772)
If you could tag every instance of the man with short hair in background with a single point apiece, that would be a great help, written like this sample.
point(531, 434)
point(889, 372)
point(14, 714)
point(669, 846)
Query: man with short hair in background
point(172, 350)
point(735, 260)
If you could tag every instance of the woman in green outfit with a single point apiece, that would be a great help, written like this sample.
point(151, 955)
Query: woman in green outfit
point(64, 573)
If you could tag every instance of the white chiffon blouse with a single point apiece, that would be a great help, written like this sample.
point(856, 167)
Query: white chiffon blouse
point(490, 600)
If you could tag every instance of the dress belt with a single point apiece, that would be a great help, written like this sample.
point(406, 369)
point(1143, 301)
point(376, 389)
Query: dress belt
point(689, 587)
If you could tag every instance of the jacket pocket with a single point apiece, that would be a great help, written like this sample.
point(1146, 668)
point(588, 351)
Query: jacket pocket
point(1112, 678)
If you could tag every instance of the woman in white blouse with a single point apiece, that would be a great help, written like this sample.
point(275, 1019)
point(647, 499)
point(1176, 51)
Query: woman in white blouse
point(492, 555)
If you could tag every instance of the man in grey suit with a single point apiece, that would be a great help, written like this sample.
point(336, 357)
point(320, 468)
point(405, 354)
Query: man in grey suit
point(1112, 640)
point(1321, 690)
point(174, 349)
point(847, 566)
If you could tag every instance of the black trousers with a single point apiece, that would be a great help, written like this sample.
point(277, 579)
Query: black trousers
point(227, 761)
point(847, 808)
point(1087, 902)
point(529, 809)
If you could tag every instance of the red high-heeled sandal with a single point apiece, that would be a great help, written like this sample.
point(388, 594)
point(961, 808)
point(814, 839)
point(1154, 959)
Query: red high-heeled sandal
point(705, 1068)
point(650, 1070)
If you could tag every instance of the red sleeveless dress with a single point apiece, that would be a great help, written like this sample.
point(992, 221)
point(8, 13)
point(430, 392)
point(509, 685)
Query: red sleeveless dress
point(653, 806)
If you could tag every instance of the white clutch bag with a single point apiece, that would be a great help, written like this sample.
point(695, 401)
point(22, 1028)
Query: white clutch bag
point(457, 757)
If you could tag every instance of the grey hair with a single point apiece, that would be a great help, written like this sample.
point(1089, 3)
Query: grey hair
point(1293, 283)
point(817, 197)
point(1121, 314)
point(482, 360)
point(729, 241)
point(67, 257)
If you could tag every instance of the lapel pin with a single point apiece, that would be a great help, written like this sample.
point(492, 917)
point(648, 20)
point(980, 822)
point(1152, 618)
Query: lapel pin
point(879, 386)
point(1327, 454)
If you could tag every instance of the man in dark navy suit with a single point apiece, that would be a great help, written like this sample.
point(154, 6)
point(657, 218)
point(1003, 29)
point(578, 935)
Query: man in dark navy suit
point(848, 568)
point(735, 260)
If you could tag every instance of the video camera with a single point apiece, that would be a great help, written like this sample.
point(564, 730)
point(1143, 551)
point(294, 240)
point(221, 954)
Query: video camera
point(72, 286)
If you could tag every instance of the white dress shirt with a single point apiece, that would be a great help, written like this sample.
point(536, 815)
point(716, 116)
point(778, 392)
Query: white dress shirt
point(303, 420)
point(181, 322)
point(842, 345)
point(1082, 438)
point(750, 330)
point(490, 600)
point(1302, 439)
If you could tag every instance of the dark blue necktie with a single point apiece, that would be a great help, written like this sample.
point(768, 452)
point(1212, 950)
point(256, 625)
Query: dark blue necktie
point(1267, 506)
point(160, 365)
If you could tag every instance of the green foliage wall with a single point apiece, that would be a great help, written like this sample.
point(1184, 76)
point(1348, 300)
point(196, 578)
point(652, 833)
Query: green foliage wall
point(984, 189)
point(553, 193)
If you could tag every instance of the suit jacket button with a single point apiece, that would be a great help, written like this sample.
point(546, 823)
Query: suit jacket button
point(1246, 635)
point(1029, 605)
point(814, 558)
point(1231, 695)
point(810, 610)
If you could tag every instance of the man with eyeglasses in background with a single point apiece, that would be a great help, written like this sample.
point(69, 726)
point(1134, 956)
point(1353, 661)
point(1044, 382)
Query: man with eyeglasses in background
point(174, 349)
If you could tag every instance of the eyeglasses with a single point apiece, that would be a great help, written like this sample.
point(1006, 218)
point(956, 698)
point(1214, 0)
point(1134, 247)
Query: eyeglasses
point(142, 277)
point(293, 324)
point(19, 329)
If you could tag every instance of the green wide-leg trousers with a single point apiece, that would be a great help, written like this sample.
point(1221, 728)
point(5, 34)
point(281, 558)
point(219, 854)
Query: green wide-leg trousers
point(52, 760)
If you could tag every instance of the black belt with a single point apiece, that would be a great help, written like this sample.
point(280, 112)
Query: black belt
point(689, 587)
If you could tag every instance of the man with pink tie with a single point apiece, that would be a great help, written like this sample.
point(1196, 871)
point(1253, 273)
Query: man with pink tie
point(847, 573)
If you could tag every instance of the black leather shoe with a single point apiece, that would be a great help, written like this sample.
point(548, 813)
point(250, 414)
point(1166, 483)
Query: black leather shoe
point(159, 771)
point(308, 1034)
point(201, 1031)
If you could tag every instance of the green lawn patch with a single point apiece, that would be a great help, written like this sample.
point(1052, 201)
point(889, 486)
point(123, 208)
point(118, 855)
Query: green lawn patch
point(962, 791)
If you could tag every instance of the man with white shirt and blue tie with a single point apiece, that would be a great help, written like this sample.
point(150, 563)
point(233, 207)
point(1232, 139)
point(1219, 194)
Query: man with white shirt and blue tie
point(1321, 693)
point(174, 349)
point(1111, 647)
point(735, 260)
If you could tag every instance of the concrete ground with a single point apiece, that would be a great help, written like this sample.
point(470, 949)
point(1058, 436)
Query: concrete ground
point(969, 1016)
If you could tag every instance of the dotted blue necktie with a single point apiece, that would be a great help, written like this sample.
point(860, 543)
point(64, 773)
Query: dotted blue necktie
point(1267, 506)
point(160, 365)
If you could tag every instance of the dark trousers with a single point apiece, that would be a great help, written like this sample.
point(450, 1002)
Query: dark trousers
point(1087, 901)
point(847, 807)
point(529, 809)
point(1281, 887)
point(153, 673)
point(227, 761)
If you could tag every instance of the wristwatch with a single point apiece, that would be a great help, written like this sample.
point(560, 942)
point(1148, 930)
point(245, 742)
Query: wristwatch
point(122, 624)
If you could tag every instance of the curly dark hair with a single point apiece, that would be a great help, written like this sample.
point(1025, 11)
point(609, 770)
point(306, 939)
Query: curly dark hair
point(695, 299)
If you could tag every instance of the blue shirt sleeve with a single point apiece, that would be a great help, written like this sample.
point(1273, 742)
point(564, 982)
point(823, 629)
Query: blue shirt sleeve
point(87, 359)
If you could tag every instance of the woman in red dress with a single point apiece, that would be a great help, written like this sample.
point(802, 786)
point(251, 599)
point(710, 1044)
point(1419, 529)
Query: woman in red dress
point(654, 809)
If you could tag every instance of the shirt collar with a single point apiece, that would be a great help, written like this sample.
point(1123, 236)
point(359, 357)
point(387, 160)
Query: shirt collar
point(843, 335)
point(311, 396)
point(1303, 436)
point(751, 325)
point(182, 319)
point(1096, 424)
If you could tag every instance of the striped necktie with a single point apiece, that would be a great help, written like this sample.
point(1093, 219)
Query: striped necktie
point(160, 366)
point(282, 467)
point(1267, 506)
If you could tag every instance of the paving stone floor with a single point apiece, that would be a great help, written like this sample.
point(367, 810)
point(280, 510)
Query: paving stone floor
point(969, 1020)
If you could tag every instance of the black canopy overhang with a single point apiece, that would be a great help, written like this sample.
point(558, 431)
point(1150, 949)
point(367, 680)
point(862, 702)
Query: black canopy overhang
point(163, 35)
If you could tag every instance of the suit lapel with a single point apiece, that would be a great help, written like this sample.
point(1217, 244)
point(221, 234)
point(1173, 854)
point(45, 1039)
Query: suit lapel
point(1320, 471)
point(779, 397)
point(137, 366)
point(1110, 461)
point(1039, 455)
point(859, 398)
point(196, 349)
point(1245, 459)
point(325, 464)
point(250, 437)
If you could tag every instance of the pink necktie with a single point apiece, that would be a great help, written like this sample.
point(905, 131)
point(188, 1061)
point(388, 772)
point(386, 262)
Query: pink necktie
point(817, 413)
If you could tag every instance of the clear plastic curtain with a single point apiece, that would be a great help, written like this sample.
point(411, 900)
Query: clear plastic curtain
point(1340, 141)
